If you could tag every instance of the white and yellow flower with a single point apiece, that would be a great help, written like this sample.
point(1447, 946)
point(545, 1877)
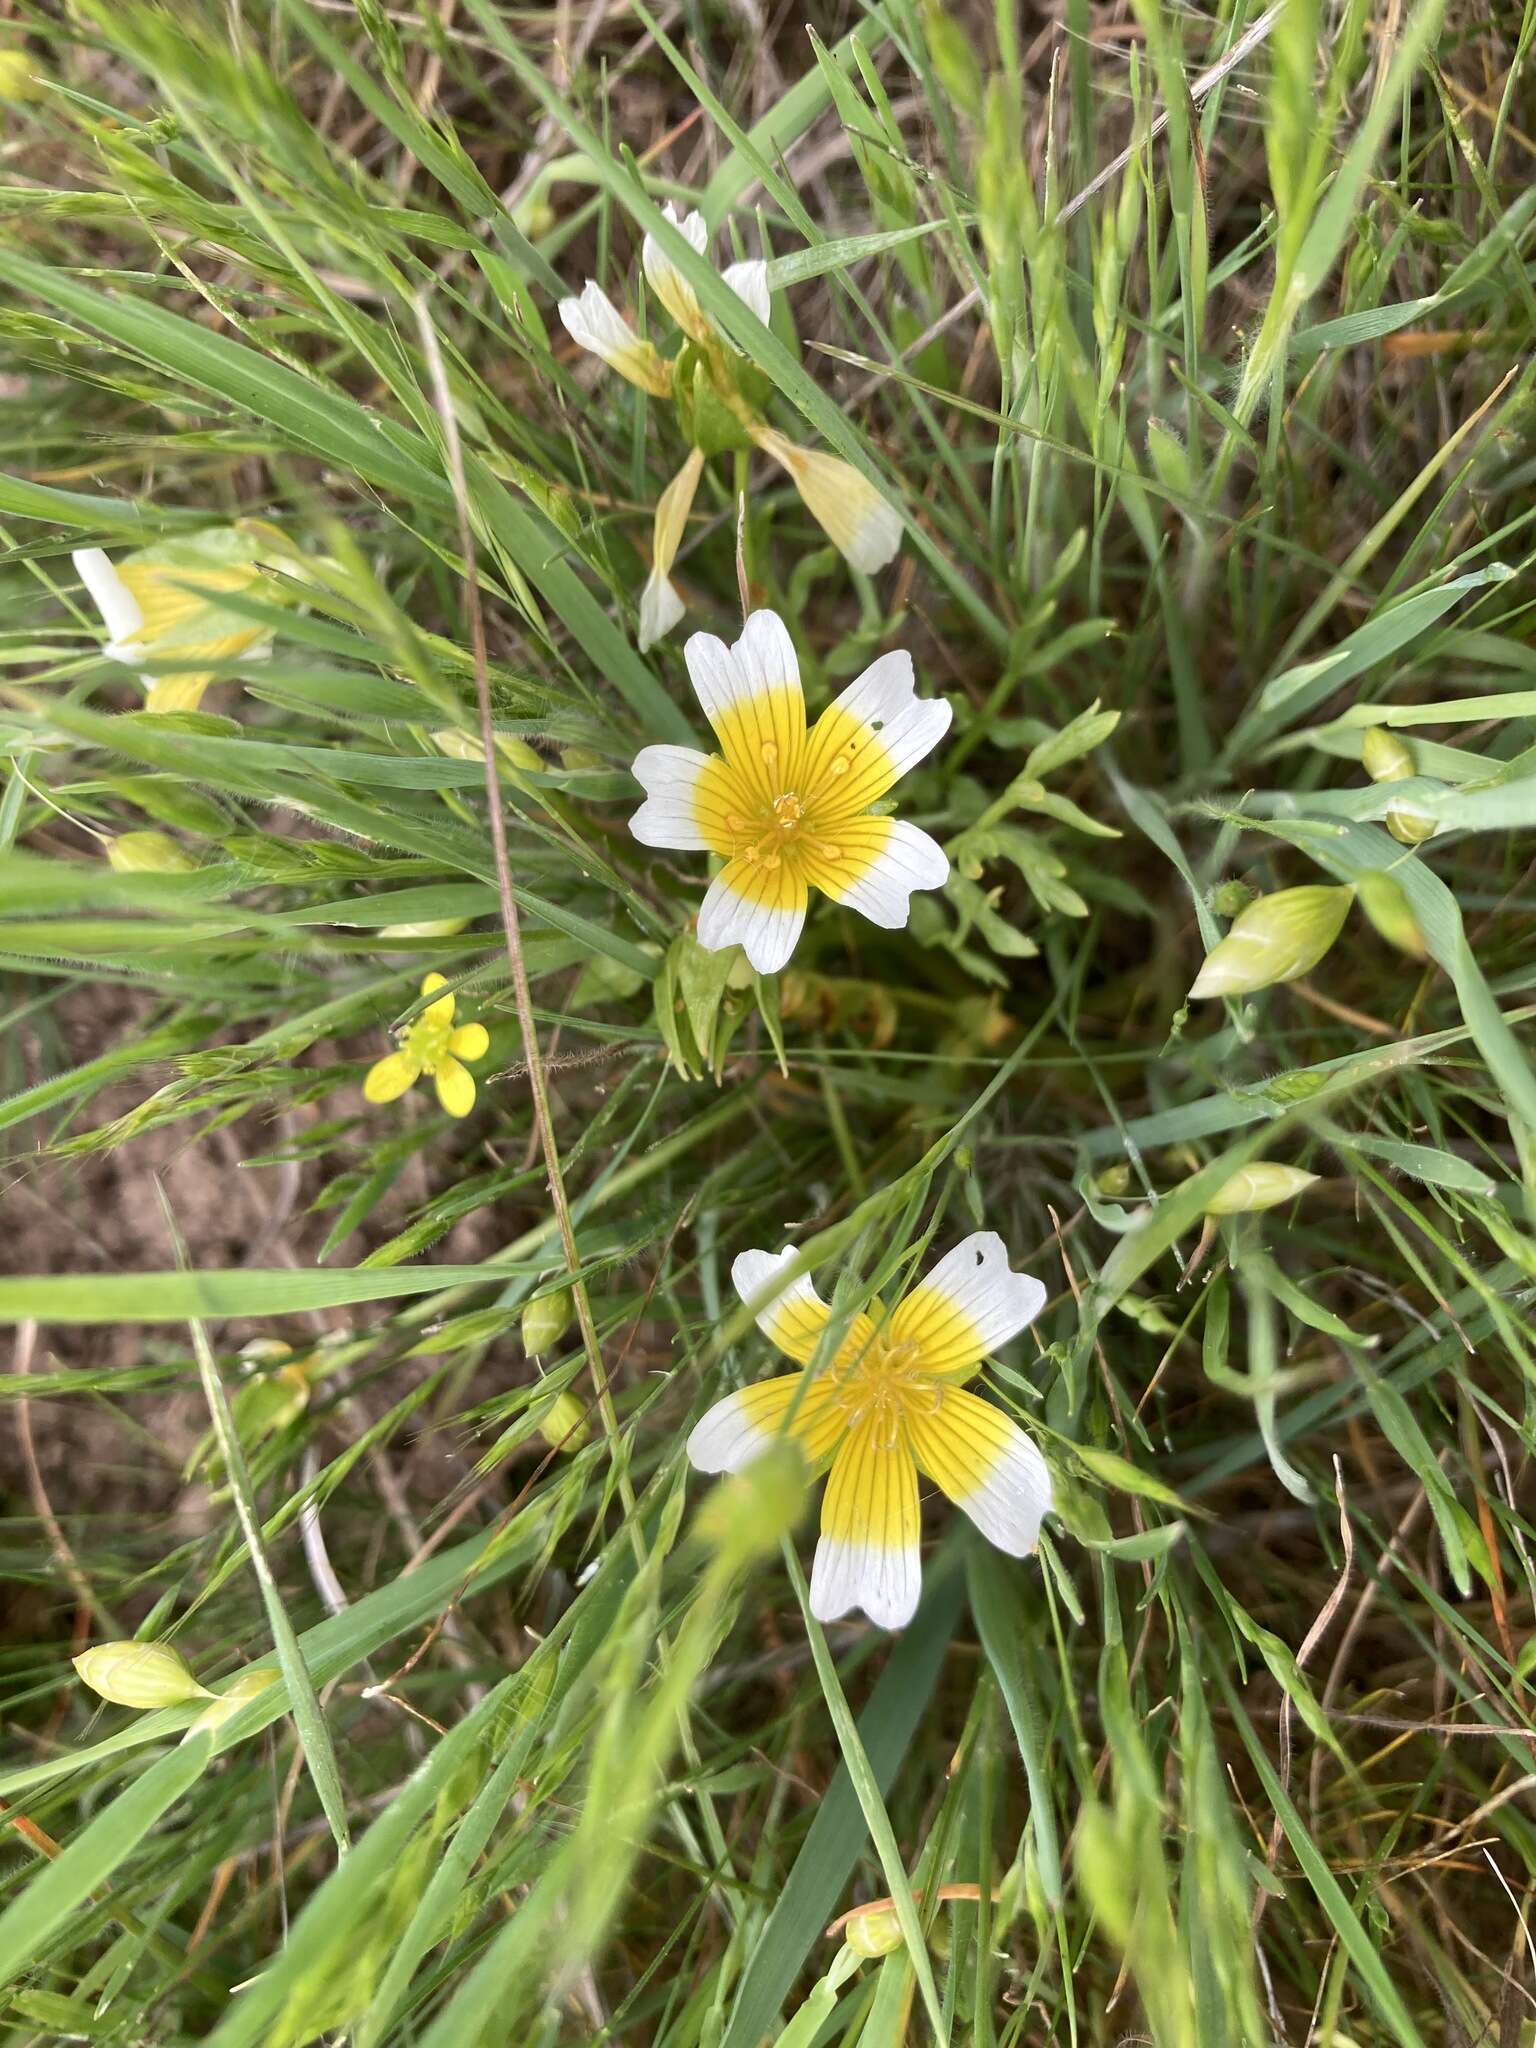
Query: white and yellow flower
point(890, 1403)
point(788, 808)
point(595, 323)
point(749, 281)
point(433, 1045)
point(162, 604)
point(864, 529)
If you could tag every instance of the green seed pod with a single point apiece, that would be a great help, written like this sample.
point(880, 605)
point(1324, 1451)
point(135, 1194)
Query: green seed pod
point(1386, 758)
point(564, 1428)
point(1385, 903)
point(546, 1320)
point(1275, 939)
point(1259, 1186)
point(148, 853)
point(874, 1932)
point(142, 1675)
point(1410, 827)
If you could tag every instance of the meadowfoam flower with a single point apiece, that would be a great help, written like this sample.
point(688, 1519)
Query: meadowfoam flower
point(660, 605)
point(749, 281)
point(891, 1403)
point(432, 1045)
point(162, 603)
point(595, 323)
point(788, 809)
point(864, 529)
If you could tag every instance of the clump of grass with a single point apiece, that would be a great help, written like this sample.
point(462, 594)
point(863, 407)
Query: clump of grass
point(1194, 356)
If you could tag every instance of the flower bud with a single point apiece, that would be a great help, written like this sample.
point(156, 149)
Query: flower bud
point(546, 1320)
point(564, 1426)
point(858, 521)
point(1112, 1180)
point(140, 1675)
point(245, 1686)
point(1410, 827)
point(874, 1932)
point(148, 853)
point(1275, 939)
point(1260, 1186)
point(1385, 757)
point(574, 759)
point(424, 928)
point(1385, 903)
point(1232, 898)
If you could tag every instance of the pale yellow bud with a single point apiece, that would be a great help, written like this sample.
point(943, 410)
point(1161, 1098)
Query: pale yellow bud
point(457, 745)
point(863, 528)
point(1384, 756)
point(424, 928)
point(575, 759)
point(142, 1675)
point(1260, 1186)
point(148, 853)
point(874, 1932)
point(1410, 827)
point(546, 1320)
point(660, 605)
point(1385, 903)
point(1275, 939)
point(564, 1427)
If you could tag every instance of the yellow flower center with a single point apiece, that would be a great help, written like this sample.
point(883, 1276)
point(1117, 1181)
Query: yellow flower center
point(885, 1385)
point(427, 1040)
point(780, 831)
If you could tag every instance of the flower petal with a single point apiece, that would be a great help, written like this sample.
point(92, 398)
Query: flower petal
point(969, 1305)
point(752, 697)
point(661, 607)
point(867, 1556)
point(440, 1012)
point(760, 909)
point(795, 1316)
point(749, 281)
point(874, 865)
point(869, 737)
point(390, 1077)
point(594, 323)
point(670, 814)
point(668, 282)
point(987, 1466)
point(743, 1425)
point(858, 521)
point(455, 1087)
point(470, 1042)
point(113, 599)
point(171, 693)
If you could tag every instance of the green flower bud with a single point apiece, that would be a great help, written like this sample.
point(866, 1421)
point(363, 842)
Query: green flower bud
point(142, 1675)
point(577, 758)
point(1410, 827)
point(564, 1427)
point(1275, 939)
point(148, 853)
point(1231, 899)
point(546, 1320)
point(1386, 758)
point(1112, 1180)
point(1259, 1186)
point(457, 745)
point(874, 1932)
point(1385, 903)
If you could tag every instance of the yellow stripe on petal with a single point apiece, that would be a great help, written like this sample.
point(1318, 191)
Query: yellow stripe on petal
point(987, 1466)
point(455, 1087)
point(870, 736)
point(176, 693)
point(390, 1077)
point(746, 1423)
point(763, 740)
point(867, 1556)
point(470, 1042)
point(967, 1306)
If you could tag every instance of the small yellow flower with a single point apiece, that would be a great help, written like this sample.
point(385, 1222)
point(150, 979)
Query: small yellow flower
point(788, 808)
point(864, 529)
point(163, 603)
point(432, 1045)
point(890, 1403)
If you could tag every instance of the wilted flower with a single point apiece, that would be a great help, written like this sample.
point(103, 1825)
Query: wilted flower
point(1275, 939)
point(749, 281)
point(142, 1675)
point(863, 528)
point(660, 605)
point(788, 809)
point(162, 604)
point(1261, 1185)
point(148, 853)
point(891, 1401)
point(1385, 903)
point(246, 1685)
point(432, 1045)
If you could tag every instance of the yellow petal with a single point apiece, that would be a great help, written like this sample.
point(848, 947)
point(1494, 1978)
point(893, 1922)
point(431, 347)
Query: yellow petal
point(390, 1077)
point(470, 1042)
point(987, 1466)
point(867, 1556)
point(176, 693)
point(440, 1012)
point(455, 1088)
